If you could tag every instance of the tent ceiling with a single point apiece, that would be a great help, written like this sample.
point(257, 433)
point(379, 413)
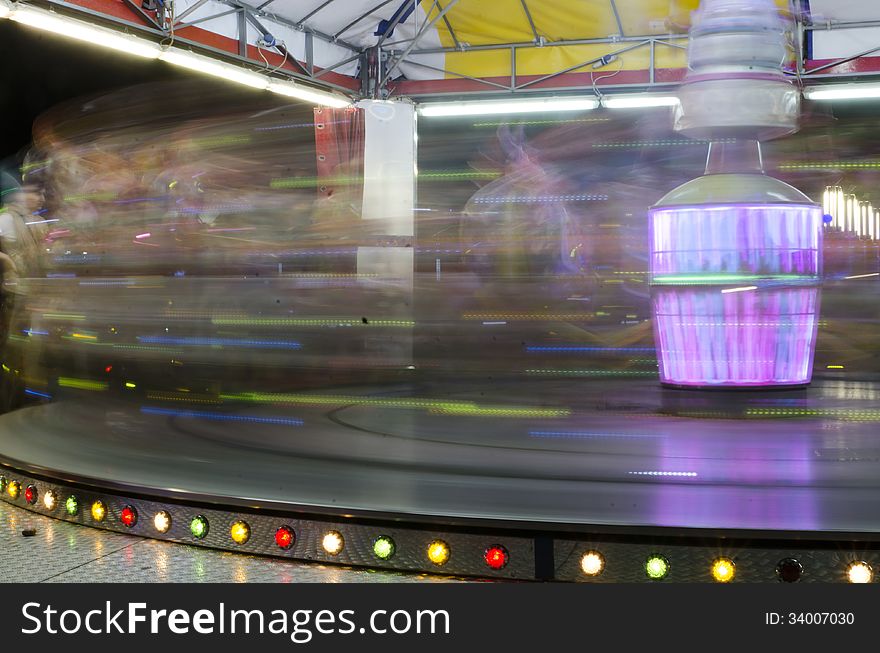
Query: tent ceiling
point(436, 47)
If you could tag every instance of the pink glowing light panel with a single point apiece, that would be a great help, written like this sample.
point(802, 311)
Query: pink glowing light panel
point(735, 293)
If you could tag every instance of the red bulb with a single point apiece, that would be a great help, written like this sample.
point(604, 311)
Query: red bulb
point(108, 369)
point(30, 494)
point(496, 557)
point(128, 516)
point(284, 537)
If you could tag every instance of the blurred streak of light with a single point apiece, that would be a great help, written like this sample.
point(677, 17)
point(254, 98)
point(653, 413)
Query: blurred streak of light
point(456, 407)
point(188, 398)
point(285, 321)
point(662, 143)
point(537, 199)
point(587, 348)
point(502, 412)
point(530, 317)
point(82, 384)
point(863, 276)
point(592, 435)
point(221, 342)
point(662, 473)
point(63, 316)
point(829, 165)
point(200, 414)
point(552, 372)
point(740, 289)
point(560, 121)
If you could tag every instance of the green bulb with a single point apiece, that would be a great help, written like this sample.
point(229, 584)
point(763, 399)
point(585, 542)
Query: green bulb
point(657, 567)
point(71, 505)
point(3, 484)
point(198, 526)
point(383, 547)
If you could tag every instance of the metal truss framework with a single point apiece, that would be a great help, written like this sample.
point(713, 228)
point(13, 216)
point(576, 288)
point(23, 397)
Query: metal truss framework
point(392, 54)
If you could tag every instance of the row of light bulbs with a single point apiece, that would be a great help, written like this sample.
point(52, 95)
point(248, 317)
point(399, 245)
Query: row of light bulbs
point(723, 569)
point(438, 552)
point(384, 547)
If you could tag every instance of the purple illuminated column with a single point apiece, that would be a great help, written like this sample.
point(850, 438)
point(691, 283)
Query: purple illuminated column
point(735, 285)
point(735, 254)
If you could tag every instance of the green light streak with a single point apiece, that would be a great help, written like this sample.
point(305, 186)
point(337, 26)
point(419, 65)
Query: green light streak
point(284, 321)
point(550, 372)
point(82, 384)
point(63, 316)
point(445, 407)
point(829, 165)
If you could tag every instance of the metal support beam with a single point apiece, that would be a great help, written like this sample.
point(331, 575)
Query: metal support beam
point(827, 25)
point(617, 17)
point(449, 27)
point(310, 54)
point(486, 82)
point(291, 24)
point(581, 65)
point(140, 12)
point(664, 39)
point(418, 36)
point(188, 11)
point(333, 67)
point(242, 34)
point(315, 11)
point(512, 68)
point(531, 22)
point(205, 19)
point(837, 62)
point(253, 20)
point(360, 18)
point(397, 18)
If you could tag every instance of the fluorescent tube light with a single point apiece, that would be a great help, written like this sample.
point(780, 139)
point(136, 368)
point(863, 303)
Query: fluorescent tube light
point(81, 31)
point(638, 101)
point(482, 108)
point(843, 92)
point(209, 66)
point(309, 95)
point(131, 44)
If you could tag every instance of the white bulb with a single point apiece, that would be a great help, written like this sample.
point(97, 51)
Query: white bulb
point(162, 521)
point(49, 500)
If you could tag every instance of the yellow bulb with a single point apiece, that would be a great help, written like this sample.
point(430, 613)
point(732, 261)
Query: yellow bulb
point(333, 542)
point(162, 521)
point(240, 532)
point(13, 489)
point(438, 552)
point(99, 511)
point(592, 563)
point(49, 500)
point(859, 572)
point(723, 570)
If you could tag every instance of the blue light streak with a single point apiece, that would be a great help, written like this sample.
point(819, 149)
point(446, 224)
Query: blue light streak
point(224, 417)
point(219, 342)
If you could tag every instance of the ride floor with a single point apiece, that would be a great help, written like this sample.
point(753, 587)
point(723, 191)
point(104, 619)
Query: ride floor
point(571, 455)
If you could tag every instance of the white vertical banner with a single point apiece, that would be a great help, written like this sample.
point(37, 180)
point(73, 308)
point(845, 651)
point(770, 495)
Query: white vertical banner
point(389, 164)
point(389, 201)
